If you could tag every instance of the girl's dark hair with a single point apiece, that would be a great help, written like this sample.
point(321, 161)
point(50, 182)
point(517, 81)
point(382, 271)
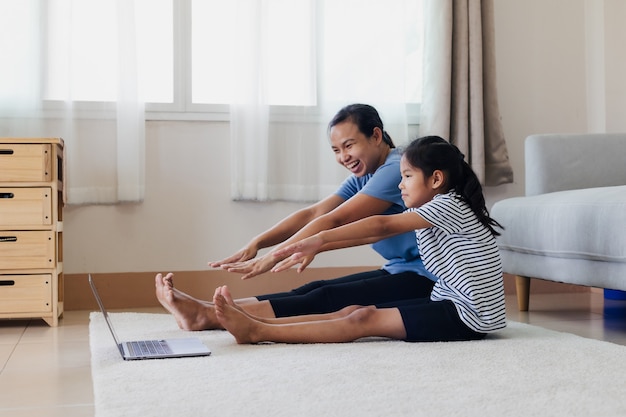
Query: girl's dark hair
point(365, 117)
point(432, 153)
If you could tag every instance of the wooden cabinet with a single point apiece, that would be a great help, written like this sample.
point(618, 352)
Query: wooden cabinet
point(31, 228)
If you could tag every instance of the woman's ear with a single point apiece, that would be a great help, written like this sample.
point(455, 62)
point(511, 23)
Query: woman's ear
point(377, 135)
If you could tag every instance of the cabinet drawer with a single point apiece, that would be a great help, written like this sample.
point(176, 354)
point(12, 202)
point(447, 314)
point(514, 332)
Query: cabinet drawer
point(25, 206)
point(25, 162)
point(25, 293)
point(27, 249)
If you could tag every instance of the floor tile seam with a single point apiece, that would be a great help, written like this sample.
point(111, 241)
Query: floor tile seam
point(19, 339)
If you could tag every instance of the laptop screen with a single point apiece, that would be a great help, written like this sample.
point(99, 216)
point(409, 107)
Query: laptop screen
point(105, 314)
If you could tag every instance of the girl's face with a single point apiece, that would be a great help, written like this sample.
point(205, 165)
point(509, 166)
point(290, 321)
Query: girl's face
point(355, 151)
point(415, 188)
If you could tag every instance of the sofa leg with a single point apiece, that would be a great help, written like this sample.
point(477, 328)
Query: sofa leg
point(522, 286)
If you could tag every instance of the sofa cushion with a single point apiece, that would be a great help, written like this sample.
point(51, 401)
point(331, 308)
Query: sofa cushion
point(552, 224)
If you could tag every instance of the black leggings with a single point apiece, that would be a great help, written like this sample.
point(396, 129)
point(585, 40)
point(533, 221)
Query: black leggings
point(365, 288)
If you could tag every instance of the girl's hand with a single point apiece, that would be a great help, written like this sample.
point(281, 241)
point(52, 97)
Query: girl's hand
point(251, 268)
point(302, 252)
point(296, 258)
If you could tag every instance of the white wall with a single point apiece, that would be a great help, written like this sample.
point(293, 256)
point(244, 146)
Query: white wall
point(560, 70)
point(188, 219)
point(541, 79)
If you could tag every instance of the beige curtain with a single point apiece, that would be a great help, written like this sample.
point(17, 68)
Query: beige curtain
point(460, 100)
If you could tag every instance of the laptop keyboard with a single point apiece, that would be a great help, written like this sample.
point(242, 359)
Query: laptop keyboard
point(148, 347)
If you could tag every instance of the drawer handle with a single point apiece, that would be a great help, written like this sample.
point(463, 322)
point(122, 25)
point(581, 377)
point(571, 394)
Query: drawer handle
point(7, 195)
point(6, 151)
point(6, 282)
point(8, 239)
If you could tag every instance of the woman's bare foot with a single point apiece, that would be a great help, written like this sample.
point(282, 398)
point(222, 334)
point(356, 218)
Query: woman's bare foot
point(168, 281)
point(234, 319)
point(190, 313)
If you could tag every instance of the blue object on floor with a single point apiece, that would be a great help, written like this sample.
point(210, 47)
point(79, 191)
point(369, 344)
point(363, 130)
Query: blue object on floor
point(614, 294)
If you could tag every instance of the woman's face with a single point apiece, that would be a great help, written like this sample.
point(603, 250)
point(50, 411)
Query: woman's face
point(355, 151)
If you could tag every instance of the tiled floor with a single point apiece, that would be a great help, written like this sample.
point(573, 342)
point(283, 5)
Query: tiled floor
point(45, 371)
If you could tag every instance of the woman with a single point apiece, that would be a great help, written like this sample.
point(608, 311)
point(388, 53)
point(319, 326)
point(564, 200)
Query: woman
point(360, 144)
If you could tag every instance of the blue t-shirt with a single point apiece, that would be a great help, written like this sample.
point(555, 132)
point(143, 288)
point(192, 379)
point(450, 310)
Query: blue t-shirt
point(400, 251)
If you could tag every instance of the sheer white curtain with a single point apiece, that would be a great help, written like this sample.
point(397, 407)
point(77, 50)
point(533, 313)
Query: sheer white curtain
point(460, 101)
point(280, 154)
point(249, 111)
point(104, 141)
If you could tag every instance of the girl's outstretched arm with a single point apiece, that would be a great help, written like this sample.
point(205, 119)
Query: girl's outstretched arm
point(369, 230)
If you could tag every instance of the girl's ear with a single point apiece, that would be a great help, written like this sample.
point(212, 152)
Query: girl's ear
point(438, 179)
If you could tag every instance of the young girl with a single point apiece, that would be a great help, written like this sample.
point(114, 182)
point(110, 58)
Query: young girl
point(360, 144)
point(456, 237)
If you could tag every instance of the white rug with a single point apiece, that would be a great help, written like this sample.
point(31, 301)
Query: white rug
point(523, 371)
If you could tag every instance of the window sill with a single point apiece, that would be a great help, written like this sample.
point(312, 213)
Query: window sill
point(219, 113)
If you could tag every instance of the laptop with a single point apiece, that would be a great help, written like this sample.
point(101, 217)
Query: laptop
point(152, 349)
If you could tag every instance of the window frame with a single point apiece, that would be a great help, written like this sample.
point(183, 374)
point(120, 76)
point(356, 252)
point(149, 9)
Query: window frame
point(182, 108)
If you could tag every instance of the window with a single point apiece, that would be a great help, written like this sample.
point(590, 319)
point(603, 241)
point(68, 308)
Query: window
point(83, 56)
point(186, 49)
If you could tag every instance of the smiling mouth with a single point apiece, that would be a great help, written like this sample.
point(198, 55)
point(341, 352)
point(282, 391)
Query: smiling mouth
point(353, 165)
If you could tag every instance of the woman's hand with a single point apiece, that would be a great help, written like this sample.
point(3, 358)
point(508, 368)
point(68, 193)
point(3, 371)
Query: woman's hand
point(244, 254)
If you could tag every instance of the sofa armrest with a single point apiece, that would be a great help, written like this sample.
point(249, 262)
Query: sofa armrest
point(559, 162)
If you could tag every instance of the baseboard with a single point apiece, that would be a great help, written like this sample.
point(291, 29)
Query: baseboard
point(136, 289)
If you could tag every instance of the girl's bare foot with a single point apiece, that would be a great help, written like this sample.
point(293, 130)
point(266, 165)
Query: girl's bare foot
point(234, 319)
point(190, 313)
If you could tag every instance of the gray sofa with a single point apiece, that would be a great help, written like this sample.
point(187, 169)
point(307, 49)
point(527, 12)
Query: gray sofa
point(571, 225)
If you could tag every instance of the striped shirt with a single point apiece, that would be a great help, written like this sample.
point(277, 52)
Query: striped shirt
point(463, 254)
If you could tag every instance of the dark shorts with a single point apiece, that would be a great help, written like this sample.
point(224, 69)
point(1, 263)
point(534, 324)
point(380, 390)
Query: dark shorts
point(432, 321)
